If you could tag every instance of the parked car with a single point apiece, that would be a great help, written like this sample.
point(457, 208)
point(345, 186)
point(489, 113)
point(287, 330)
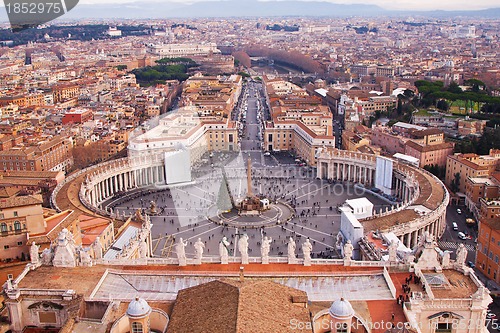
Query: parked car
point(471, 264)
point(455, 226)
point(462, 236)
point(459, 211)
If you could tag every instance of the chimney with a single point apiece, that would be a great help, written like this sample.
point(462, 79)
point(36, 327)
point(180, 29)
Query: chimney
point(242, 277)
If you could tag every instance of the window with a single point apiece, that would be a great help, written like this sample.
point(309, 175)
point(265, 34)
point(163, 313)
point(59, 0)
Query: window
point(15, 214)
point(47, 317)
point(341, 327)
point(4, 227)
point(444, 328)
point(5, 247)
point(136, 327)
point(17, 225)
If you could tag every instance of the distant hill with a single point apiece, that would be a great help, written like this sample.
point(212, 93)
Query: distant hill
point(231, 8)
point(248, 8)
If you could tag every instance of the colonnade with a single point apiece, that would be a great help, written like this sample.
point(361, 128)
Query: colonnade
point(436, 228)
point(361, 168)
point(351, 171)
point(126, 180)
point(402, 190)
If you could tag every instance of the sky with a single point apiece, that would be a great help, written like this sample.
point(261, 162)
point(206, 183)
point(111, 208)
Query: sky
point(386, 4)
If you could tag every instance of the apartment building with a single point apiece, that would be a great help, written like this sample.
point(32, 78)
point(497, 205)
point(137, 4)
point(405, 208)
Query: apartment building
point(64, 92)
point(429, 147)
point(51, 155)
point(25, 100)
point(481, 187)
point(182, 50)
point(77, 116)
point(471, 127)
point(212, 95)
point(470, 165)
point(18, 217)
point(299, 123)
point(488, 241)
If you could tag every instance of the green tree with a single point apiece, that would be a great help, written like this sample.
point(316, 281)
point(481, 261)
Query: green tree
point(442, 104)
point(454, 88)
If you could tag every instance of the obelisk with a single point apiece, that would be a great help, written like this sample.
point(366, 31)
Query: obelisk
point(249, 178)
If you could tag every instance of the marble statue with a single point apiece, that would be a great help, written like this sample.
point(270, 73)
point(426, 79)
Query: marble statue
point(291, 250)
point(348, 248)
point(461, 255)
point(138, 215)
point(199, 247)
point(429, 238)
point(393, 251)
point(446, 259)
point(338, 243)
point(181, 252)
point(85, 259)
point(224, 250)
point(152, 207)
point(65, 252)
point(47, 257)
point(243, 248)
point(147, 223)
point(306, 250)
point(35, 258)
point(265, 247)
point(143, 249)
point(97, 248)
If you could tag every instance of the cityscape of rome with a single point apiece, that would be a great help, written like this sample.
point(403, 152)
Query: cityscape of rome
point(250, 167)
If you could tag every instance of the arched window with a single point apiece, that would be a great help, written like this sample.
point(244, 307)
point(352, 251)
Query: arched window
point(4, 227)
point(17, 225)
point(136, 327)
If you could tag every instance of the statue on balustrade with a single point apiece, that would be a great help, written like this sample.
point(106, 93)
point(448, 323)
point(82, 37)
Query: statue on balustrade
point(348, 249)
point(35, 258)
point(224, 250)
point(265, 248)
point(306, 250)
point(181, 252)
point(243, 248)
point(291, 250)
point(461, 255)
point(199, 247)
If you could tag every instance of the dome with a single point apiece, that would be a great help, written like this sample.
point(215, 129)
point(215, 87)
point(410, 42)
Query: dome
point(138, 308)
point(341, 309)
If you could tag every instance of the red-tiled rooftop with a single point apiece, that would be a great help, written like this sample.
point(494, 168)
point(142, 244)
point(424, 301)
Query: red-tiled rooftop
point(52, 222)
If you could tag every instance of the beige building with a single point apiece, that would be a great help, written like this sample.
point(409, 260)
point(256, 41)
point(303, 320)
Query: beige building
point(187, 129)
point(212, 95)
point(19, 216)
point(470, 165)
point(299, 123)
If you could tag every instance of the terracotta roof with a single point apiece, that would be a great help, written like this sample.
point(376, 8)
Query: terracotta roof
point(427, 148)
point(428, 131)
point(27, 200)
point(251, 306)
